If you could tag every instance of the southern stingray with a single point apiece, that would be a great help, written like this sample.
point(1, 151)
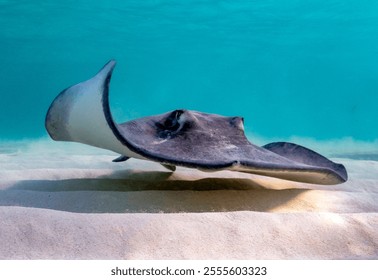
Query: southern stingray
point(209, 142)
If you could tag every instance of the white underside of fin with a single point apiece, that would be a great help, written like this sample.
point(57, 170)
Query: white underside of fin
point(78, 115)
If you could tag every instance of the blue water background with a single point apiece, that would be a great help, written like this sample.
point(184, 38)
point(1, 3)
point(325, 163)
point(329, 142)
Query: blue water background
point(290, 68)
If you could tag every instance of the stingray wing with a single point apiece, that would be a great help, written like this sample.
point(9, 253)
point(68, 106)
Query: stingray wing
point(209, 142)
point(309, 167)
point(81, 113)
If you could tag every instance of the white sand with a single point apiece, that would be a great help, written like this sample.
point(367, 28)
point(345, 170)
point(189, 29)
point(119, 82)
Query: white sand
point(72, 202)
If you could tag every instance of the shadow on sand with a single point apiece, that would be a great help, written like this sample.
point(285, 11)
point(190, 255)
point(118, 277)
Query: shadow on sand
point(147, 192)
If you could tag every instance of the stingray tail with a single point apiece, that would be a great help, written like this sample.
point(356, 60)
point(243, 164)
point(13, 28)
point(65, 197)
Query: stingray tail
point(81, 113)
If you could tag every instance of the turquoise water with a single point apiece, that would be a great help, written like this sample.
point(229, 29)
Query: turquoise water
point(291, 68)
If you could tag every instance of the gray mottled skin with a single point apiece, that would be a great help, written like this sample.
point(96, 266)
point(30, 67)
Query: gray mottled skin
point(210, 141)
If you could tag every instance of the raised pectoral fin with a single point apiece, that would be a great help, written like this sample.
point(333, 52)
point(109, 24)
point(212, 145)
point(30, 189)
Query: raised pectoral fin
point(81, 113)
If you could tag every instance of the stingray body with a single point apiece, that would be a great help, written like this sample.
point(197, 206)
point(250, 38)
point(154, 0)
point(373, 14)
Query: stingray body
point(208, 142)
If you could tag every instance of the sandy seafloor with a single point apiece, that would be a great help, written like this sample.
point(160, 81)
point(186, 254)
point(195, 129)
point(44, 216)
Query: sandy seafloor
point(67, 201)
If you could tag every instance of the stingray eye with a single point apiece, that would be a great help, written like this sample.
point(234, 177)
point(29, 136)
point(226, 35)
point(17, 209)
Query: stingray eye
point(172, 121)
point(170, 126)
